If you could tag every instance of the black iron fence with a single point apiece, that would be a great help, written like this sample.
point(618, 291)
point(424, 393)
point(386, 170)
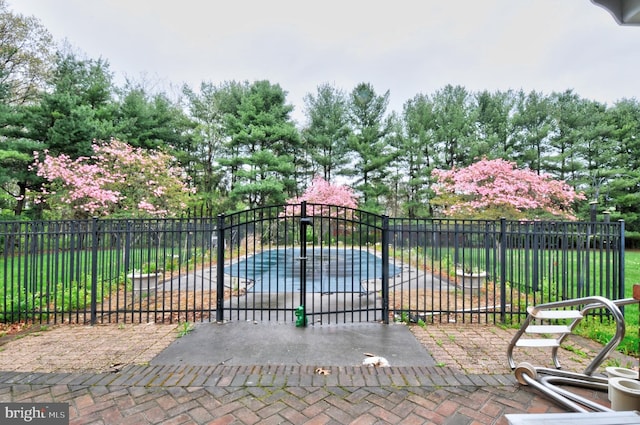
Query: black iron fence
point(309, 263)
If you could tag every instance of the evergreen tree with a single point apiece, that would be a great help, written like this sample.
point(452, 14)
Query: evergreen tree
point(492, 118)
point(454, 129)
point(568, 122)
point(151, 121)
point(209, 109)
point(265, 147)
point(532, 127)
point(16, 155)
point(371, 154)
point(78, 110)
point(622, 191)
point(326, 134)
point(416, 154)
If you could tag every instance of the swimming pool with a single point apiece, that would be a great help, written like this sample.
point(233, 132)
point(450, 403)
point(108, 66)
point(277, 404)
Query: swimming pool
point(329, 270)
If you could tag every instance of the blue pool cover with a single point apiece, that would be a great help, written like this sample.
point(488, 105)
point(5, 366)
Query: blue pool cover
point(329, 270)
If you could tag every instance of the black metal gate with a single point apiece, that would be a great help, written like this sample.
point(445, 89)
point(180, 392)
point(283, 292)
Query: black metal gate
point(305, 263)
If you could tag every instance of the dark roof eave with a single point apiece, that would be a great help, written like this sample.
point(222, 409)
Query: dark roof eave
point(625, 12)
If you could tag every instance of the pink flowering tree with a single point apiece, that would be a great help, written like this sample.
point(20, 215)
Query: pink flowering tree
point(118, 180)
point(490, 189)
point(323, 197)
point(323, 193)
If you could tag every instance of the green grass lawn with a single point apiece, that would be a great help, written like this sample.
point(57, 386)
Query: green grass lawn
point(602, 332)
point(591, 328)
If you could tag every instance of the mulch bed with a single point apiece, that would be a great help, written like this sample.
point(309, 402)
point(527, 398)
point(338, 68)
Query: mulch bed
point(160, 306)
point(433, 306)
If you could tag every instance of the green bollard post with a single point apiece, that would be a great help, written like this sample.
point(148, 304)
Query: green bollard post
point(301, 319)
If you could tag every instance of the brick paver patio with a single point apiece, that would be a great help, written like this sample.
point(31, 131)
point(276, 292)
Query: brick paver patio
point(460, 391)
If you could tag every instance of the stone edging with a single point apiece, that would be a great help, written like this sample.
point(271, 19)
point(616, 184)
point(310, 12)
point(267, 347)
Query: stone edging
point(262, 376)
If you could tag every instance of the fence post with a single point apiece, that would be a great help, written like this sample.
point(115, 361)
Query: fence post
point(503, 269)
point(621, 250)
point(385, 269)
point(535, 257)
point(220, 269)
point(94, 271)
point(301, 311)
point(456, 247)
point(127, 248)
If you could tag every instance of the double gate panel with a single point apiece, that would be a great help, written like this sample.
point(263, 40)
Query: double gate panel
point(309, 263)
point(315, 263)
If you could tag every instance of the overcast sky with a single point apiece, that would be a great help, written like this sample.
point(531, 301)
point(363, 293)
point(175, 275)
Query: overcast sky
point(405, 46)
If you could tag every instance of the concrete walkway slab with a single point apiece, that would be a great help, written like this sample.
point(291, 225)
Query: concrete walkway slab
point(282, 343)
